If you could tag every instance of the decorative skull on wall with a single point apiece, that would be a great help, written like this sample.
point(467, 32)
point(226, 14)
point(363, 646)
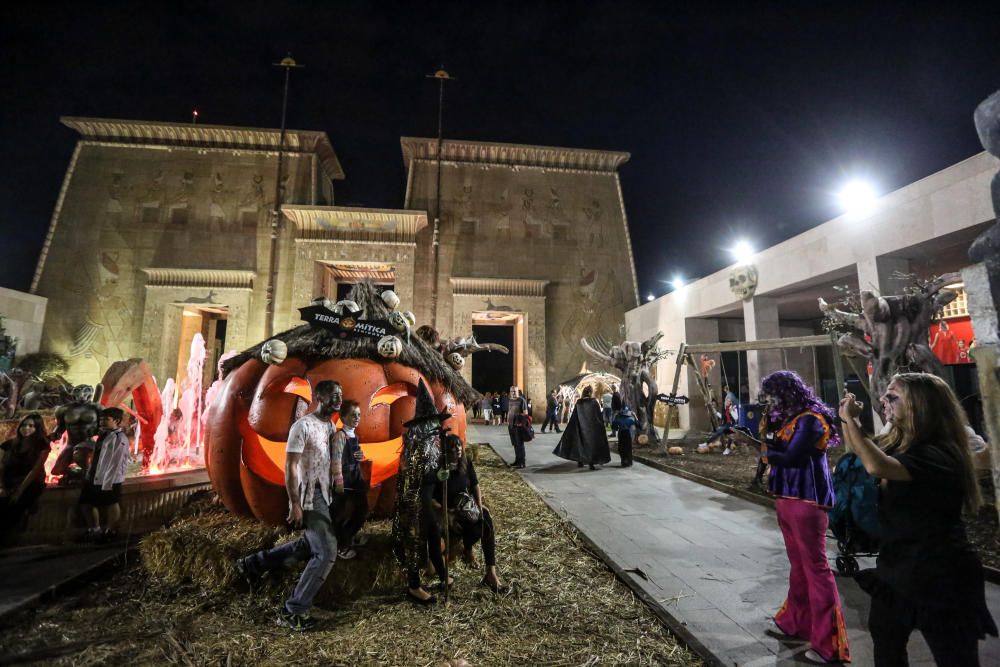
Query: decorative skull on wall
point(743, 280)
point(390, 347)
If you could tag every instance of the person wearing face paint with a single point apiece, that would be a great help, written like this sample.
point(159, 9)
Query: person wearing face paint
point(802, 429)
point(927, 576)
point(349, 509)
point(311, 469)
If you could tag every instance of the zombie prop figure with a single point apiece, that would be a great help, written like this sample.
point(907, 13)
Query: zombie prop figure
point(413, 519)
point(80, 419)
point(633, 359)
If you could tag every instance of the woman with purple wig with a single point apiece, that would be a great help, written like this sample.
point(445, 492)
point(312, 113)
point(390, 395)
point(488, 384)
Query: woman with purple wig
point(799, 429)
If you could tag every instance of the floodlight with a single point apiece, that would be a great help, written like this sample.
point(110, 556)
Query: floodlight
point(857, 198)
point(742, 252)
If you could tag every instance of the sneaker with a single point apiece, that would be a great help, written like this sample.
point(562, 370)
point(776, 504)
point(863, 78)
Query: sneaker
point(814, 657)
point(246, 571)
point(346, 554)
point(296, 622)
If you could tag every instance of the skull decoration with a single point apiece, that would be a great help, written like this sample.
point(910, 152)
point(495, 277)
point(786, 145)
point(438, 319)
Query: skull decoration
point(743, 280)
point(398, 321)
point(410, 317)
point(390, 299)
point(83, 393)
point(273, 352)
point(455, 360)
point(390, 347)
point(346, 306)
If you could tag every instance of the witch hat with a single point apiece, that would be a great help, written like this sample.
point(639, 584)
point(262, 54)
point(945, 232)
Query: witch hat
point(425, 410)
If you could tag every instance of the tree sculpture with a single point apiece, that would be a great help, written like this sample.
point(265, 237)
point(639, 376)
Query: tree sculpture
point(633, 360)
point(890, 332)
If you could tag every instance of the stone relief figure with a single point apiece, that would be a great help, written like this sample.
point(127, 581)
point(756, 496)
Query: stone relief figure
point(503, 227)
point(634, 360)
point(890, 332)
point(115, 191)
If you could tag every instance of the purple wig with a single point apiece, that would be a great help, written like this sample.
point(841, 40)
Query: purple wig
point(795, 397)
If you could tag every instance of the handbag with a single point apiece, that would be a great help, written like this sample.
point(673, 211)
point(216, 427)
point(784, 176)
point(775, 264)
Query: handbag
point(523, 425)
point(466, 510)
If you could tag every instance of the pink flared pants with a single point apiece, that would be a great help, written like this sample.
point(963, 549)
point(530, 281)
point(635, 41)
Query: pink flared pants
point(812, 610)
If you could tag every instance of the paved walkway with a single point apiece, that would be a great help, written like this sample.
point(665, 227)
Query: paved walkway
point(713, 562)
point(28, 574)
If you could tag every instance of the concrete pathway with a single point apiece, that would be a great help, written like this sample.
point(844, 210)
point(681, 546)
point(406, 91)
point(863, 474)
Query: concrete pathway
point(715, 563)
point(30, 573)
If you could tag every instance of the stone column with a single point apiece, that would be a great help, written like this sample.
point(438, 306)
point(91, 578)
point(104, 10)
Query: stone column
point(876, 273)
point(760, 321)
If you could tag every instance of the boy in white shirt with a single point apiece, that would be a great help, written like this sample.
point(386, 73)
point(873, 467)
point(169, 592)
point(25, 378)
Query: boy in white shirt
point(100, 497)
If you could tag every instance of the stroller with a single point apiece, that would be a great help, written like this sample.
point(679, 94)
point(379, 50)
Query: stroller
point(854, 517)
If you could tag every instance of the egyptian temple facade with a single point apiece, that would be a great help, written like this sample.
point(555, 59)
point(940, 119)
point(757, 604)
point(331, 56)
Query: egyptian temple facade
point(162, 230)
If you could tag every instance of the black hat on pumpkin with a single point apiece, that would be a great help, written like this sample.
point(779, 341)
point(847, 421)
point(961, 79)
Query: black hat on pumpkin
point(426, 410)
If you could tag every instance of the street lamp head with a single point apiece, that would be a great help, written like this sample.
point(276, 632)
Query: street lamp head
point(677, 282)
point(650, 297)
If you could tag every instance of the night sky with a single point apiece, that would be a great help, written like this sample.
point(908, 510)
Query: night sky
point(742, 119)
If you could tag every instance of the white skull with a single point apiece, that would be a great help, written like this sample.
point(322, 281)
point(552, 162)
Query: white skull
point(390, 347)
point(410, 317)
point(342, 307)
point(273, 352)
point(398, 321)
point(455, 360)
point(390, 299)
point(743, 280)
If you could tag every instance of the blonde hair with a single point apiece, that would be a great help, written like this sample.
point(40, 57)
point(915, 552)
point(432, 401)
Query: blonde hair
point(934, 418)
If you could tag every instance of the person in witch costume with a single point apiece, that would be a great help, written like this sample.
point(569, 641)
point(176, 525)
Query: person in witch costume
point(413, 519)
point(584, 440)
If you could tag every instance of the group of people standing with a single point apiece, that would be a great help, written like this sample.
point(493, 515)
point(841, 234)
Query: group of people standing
point(328, 500)
point(103, 463)
point(927, 576)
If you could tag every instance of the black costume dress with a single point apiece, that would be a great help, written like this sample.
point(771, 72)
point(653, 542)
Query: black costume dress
point(19, 461)
point(927, 576)
point(464, 482)
point(584, 439)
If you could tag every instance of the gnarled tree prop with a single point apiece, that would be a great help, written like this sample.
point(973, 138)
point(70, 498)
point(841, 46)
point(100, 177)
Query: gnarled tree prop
point(890, 332)
point(633, 360)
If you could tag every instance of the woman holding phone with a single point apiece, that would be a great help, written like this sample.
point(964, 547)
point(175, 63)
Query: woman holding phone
point(927, 576)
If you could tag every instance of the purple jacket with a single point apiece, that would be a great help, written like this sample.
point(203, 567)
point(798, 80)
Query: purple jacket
point(798, 461)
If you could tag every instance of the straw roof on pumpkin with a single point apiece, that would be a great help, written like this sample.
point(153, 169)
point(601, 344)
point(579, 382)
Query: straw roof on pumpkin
point(316, 344)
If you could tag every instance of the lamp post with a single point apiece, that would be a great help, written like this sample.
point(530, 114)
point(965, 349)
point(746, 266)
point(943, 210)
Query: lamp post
point(288, 63)
point(441, 77)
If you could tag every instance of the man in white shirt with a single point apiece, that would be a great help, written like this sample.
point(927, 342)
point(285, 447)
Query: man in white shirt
point(309, 471)
point(101, 494)
point(606, 405)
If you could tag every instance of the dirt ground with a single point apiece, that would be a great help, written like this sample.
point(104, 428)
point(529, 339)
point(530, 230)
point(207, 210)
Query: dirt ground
point(566, 608)
point(738, 469)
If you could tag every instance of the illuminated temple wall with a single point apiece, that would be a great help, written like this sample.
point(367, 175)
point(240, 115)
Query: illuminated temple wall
point(531, 230)
point(156, 217)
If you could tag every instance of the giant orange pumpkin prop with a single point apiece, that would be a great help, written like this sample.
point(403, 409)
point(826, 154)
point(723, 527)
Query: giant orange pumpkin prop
point(247, 425)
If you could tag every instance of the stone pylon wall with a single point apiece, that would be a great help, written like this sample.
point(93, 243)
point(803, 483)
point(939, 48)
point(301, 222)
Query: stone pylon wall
point(561, 225)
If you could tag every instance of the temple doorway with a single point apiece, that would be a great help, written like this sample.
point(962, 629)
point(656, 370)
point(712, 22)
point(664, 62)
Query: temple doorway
point(210, 322)
point(495, 372)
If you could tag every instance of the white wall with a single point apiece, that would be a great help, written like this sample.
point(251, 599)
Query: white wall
point(949, 201)
point(23, 316)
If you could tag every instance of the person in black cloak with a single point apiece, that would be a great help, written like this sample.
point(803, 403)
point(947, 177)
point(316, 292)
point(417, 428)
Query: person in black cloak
point(585, 440)
point(413, 522)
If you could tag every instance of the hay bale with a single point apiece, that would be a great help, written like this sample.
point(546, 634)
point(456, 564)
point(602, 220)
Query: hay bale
point(202, 549)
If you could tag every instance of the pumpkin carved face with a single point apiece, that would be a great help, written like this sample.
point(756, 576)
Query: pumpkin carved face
point(247, 426)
